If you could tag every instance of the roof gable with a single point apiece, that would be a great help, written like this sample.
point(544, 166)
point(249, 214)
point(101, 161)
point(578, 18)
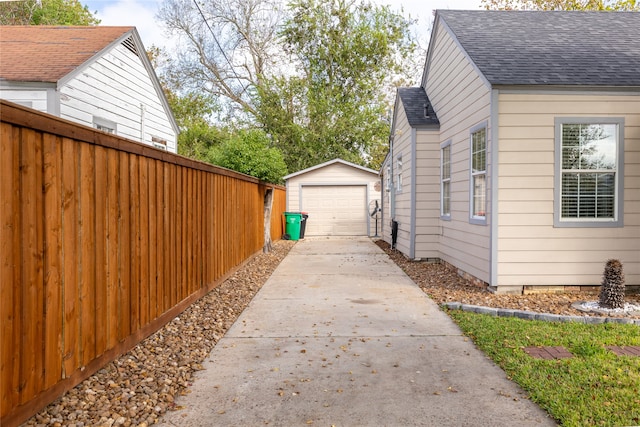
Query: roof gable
point(549, 47)
point(329, 163)
point(33, 53)
point(417, 107)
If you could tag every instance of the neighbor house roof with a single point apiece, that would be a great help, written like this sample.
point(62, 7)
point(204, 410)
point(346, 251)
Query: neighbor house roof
point(417, 107)
point(33, 53)
point(330, 162)
point(550, 47)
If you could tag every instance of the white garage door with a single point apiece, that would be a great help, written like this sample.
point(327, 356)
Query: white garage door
point(338, 210)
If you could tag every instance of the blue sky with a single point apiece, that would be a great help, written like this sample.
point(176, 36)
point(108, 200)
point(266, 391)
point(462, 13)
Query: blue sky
point(141, 13)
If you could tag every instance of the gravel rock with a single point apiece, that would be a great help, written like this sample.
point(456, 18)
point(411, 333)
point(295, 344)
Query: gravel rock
point(140, 386)
point(444, 285)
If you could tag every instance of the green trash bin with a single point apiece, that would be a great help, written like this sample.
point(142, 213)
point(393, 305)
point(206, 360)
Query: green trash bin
point(292, 224)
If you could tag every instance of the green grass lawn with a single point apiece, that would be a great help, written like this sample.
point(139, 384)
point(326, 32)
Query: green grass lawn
point(594, 388)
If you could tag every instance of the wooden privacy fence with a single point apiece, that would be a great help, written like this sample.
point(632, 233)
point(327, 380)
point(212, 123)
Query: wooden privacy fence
point(102, 242)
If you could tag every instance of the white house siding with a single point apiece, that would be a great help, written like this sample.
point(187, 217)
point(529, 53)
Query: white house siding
point(333, 175)
point(114, 88)
point(530, 250)
point(461, 100)
point(32, 97)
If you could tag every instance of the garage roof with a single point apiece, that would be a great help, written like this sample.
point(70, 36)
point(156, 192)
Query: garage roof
point(330, 162)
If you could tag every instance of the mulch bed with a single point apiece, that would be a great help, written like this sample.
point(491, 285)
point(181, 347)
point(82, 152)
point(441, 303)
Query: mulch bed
point(444, 285)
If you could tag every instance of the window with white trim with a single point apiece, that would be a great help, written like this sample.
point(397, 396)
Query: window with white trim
point(104, 125)
point(479, 173)
point(588, 162)
point(159, 142)
point(399, 174)
point(445, 180)
point(388, 178)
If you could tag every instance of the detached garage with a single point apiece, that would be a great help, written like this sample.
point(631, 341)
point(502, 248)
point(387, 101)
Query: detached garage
point(337, 195)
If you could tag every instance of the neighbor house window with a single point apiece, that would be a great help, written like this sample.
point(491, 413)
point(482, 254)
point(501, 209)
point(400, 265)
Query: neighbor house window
point(104, 125)
point(159, 142)
point(399, 174)
point(588, 172)
point(388, 178)
point(445, 180)
point(479, 173)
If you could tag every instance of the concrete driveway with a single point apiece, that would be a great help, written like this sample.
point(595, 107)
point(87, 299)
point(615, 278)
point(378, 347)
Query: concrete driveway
point(340, 336)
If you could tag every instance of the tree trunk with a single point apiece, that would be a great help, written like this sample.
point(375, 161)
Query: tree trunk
point(268, 203)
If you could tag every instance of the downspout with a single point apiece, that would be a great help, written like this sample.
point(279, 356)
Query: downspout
point(412, 231)
point(393, 225)
point(143, 110)
point(392, 207)
point(493, 240)
point(382, 204)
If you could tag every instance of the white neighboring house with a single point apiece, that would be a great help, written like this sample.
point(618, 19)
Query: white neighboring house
point(96, 76)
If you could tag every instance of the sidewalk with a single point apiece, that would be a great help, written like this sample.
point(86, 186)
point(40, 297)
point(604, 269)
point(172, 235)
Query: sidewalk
point(340, 336)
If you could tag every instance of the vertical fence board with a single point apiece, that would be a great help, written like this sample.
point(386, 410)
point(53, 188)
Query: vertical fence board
point(161, 238)
point(112, 238)
point(184, 217)
point(124, 248)
point(199, 234)
point(134, 203)
point(87, 254)
point(70, 254)
point(167, 233)
point(30, 202)
point(210, 206)
point(190, 232)
point(179, 233)
point(218, 229)
point(144, 241)
point(100, 209)
point(53, 312)
point(10, 277)
point(152, 255)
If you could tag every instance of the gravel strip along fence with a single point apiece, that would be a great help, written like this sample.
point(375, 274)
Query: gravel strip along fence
point(141, 385)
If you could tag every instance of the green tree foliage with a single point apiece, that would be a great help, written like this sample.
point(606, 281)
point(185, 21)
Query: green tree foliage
point(249, 152)
point(46, 12)
point(620, 5)
point(197, 135)
point(191, 109)
point(335, 106)
point(315, 76)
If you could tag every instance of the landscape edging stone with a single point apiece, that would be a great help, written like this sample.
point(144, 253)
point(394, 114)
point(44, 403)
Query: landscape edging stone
point(531, 315)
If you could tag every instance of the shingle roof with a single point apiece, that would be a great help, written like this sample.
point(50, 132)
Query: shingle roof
point(48, 53)
point(414, 100)
point(329, 163)
point(550, 47)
